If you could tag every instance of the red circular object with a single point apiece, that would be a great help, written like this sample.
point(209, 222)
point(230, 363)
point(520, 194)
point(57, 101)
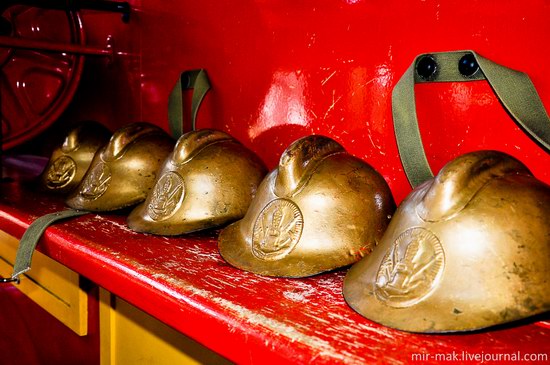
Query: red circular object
point(37, 86)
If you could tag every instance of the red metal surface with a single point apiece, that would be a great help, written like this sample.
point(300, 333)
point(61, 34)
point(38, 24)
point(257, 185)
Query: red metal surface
point(281, 71)
point(247, 318)
point(36, 86)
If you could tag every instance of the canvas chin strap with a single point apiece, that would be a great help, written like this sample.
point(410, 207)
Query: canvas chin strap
point(30, 239)
point(199, 82)
point(514, 90)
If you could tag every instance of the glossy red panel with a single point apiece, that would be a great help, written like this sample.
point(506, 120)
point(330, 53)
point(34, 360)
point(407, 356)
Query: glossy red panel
point(283, 70)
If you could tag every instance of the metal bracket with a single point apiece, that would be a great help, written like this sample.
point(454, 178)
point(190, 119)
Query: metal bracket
point(9, 280)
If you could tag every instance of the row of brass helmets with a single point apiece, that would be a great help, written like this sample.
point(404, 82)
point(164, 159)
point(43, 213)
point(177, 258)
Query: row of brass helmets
point(466, 250)
point(303, 219)
point(206, 180)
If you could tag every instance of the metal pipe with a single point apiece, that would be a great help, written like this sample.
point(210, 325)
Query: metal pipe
point(23, 43)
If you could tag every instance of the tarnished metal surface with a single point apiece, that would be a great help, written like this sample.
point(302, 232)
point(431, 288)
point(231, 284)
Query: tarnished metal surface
point(70, 161)
point(208, 180)
point(466, 250)
point(320, 210)
point(124, 171)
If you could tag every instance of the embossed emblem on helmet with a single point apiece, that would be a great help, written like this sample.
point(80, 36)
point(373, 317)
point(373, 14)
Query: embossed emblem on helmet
point(61, 172)
point(277, 230)
point(96, 182)
point(411, 268)
point(167, 197)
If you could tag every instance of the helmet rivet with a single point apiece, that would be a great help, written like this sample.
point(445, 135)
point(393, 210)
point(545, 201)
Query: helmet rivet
point(426, 67)
point(468, 65)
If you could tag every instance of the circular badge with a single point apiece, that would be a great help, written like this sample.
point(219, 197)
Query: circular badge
point(61, 172)
point(96, 182)
point(277, 230)
point(167, 197)
point(411, 268)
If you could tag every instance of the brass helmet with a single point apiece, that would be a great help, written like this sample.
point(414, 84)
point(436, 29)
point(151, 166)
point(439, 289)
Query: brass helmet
point(70, 161)
point(123, 171)
point(208, 180)
point(320, 210)
point(465, 250)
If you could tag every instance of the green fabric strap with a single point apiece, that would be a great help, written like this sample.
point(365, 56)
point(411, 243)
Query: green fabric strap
point(196, 80)
point(32, 236)
point(407, 133)
point(514, 89)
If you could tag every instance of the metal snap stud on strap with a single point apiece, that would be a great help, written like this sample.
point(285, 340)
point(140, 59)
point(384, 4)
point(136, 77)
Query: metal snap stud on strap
point(30, 239)
point(199, 82)
point(514, 90)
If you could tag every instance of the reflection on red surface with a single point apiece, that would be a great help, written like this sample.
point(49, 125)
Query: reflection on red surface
point(37, 86)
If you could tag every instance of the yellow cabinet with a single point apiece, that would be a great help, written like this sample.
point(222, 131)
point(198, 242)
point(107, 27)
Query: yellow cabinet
point(127, 334)
point(131, 336)
point(51, 285)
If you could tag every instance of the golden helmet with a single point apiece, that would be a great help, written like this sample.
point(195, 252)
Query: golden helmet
point(321, 209)
point(70, 161)
point(207, 181)
point(465, 250)
point(123, 171)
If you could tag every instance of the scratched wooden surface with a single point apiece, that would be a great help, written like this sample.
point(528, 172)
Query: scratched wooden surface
point(247, 318)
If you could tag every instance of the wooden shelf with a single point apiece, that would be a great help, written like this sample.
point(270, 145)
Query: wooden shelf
point(185, 283)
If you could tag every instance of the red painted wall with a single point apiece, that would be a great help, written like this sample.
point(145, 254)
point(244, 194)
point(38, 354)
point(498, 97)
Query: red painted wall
point(281, 70)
